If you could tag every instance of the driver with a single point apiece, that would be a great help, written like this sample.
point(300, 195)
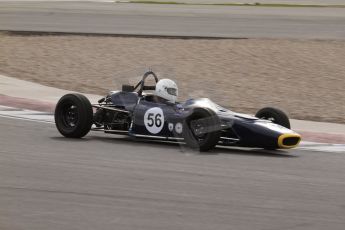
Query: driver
point(166, 91)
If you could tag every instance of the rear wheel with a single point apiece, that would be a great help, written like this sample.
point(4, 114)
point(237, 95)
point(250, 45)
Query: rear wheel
point(73, 115)
point(201, 130)
point(275, 115)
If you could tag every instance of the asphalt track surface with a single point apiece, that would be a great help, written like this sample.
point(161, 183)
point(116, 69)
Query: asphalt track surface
point(174, 20)
point(111, 182)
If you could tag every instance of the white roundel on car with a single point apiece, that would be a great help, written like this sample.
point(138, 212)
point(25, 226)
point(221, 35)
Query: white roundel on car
point(178, 128)
point(171, 127)
point(154, 120)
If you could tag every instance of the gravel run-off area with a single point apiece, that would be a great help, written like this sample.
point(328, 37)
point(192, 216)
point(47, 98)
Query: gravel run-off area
point(306, 78)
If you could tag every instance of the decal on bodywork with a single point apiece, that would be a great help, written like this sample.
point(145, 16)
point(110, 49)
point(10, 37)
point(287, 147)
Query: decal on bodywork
point(171, 127)
point(178, 128)
point(154, 120)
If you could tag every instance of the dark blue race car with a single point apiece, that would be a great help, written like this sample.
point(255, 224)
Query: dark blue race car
point(200, 123)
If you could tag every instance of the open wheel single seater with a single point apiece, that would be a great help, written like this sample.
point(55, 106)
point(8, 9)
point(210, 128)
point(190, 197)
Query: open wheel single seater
point(200, 123)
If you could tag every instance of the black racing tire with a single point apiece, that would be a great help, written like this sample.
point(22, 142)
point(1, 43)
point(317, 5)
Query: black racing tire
point(275, 115)
point(73, 115)
point(209, 140)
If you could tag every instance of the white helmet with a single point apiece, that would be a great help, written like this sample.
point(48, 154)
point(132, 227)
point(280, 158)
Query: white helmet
point(167, 89)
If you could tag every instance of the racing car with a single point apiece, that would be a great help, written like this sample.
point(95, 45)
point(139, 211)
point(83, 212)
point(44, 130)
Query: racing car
point(201, 124)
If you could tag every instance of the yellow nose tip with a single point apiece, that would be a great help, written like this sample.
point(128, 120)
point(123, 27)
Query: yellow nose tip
point(289, 140)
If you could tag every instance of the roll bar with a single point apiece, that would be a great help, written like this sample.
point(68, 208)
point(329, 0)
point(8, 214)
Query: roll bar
point(142, 83)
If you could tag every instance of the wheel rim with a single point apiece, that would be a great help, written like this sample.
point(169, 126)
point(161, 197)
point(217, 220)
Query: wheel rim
point(197, 129)
point(70, 115)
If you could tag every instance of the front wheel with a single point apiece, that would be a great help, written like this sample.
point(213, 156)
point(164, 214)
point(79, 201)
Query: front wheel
point(201, 130)
point(275, 115)
point(73, 115)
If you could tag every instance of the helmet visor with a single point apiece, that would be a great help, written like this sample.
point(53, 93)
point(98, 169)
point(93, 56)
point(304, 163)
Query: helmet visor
point(172, 91)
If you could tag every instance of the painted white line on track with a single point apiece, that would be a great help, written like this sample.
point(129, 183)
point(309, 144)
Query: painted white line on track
point(36, 116)
point(322, 147)
point(27, 119)
point(24, 114)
